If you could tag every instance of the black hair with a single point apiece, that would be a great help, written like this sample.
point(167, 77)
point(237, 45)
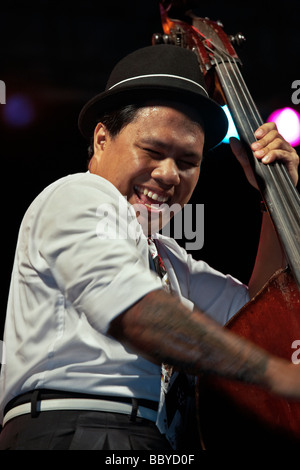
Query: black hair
point(114, 122)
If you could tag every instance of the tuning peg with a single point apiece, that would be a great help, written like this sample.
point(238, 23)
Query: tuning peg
point(238, 39)
point(167, 39)
point(158, 38)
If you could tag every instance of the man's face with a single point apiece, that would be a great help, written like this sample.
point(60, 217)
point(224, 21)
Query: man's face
point(154, 160)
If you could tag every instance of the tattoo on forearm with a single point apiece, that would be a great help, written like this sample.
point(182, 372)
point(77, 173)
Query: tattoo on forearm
point(162, 328)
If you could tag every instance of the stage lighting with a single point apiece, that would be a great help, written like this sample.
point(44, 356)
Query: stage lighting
point(18, 111)
point(232, 131)
point(288, 124)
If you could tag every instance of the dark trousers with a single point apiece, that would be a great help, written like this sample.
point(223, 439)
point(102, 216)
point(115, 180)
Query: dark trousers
point(81, 430)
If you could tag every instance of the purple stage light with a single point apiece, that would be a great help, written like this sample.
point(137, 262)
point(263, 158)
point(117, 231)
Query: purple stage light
point(18, 111)
point(288, 124)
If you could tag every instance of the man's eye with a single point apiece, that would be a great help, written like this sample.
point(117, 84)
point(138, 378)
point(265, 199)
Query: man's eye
point(187, 163)
point(152, 152)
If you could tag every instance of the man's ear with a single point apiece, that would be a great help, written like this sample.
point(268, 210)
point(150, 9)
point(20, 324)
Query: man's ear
point(100, 137)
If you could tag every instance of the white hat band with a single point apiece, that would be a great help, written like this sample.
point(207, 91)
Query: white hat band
point(159, 75)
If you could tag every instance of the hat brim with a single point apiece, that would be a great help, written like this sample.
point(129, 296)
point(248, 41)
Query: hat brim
point(214, 119)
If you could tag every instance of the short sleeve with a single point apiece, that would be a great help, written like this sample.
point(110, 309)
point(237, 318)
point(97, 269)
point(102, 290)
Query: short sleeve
point(86, 239)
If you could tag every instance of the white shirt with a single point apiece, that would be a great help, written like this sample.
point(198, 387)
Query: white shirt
point(81, 260)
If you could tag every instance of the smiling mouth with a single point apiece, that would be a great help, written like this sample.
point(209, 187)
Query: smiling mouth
point(150, 198)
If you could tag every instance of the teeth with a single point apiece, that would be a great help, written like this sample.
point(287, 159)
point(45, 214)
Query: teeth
point(152, 195)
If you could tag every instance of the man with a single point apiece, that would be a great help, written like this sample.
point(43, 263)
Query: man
point(89, 323)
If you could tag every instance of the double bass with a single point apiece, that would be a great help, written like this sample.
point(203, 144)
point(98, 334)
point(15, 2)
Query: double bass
point(231, 414)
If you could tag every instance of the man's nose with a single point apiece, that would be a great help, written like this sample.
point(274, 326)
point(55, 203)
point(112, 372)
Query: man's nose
point(166, 171)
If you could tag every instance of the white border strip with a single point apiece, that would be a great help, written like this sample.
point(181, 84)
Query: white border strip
point(159, 75)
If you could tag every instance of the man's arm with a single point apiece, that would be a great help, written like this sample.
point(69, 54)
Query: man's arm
point(269, 258)
point(161, 329)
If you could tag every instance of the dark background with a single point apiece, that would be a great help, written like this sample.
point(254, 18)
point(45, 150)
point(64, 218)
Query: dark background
point(59, 54)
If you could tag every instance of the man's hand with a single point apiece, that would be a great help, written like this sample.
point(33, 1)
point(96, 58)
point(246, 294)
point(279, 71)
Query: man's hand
point(269, 147)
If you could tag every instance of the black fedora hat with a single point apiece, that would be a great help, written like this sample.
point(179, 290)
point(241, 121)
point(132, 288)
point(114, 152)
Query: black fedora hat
point(164, 72)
